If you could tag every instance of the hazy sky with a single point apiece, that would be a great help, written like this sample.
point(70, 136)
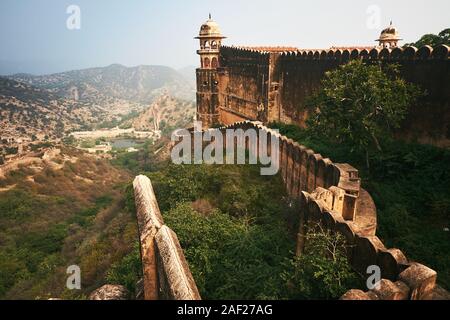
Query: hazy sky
point(34, 37)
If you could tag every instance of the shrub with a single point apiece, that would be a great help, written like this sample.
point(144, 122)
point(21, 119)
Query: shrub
point(323, 271)
point(128, 271)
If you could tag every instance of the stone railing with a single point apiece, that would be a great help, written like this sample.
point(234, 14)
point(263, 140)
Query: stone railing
point(165, 270)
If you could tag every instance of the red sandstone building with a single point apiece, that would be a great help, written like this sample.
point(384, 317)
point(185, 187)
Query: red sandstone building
point(273, 83)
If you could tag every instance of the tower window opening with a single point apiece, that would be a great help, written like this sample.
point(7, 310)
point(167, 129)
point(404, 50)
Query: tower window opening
point(206, 63)
point(214, 63)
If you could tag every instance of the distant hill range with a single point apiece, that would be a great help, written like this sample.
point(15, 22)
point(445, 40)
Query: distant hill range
point(56, 103)
point(136, 84)
point(26, 111)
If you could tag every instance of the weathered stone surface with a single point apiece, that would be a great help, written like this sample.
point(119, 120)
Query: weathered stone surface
point(338, 199)
point(365, 252)
point(344, 207)
point(403, 289)
point(149, 222)
point(110, 292)
point(315, 210)
point(146, 204)
point(390, 262)
point(366, 210)
point(331, 219)
point(421, 280)
point(438, 293)
point(325, 195)
point(294, 75)
point(344, 229)
point(387, 290)
point(355, 295)
point(349, 207)
point(321, 171)
point(372, 295)
point(176, 282)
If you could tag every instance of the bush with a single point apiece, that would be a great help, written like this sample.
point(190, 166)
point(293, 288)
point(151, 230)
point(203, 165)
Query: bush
point(323, 271)
point(128, 271)
point(231, 258)
point(238, 245)
point(410, 184)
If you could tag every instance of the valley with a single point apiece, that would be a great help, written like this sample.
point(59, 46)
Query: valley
point(68, 145)
point(114, 101)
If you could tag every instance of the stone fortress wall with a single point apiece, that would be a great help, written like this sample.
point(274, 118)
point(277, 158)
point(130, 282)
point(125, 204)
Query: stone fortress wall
point(329, 193)
point(247, 87)
point(166, 274)
point(269, 84)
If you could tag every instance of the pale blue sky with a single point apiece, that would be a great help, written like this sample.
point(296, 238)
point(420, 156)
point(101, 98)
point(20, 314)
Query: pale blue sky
point(34, 37)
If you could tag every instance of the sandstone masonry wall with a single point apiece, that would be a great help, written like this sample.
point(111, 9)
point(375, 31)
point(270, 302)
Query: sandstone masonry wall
point(330, 193)
point(165, 270)
point(273, 86)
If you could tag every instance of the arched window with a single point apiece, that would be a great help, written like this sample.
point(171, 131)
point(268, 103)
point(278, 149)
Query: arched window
point(213, 44)
point(207, 45)
point(206, 63)
point(214, 63)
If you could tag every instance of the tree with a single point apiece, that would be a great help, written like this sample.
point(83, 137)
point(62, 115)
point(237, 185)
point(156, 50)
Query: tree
point(69, 140)
point(361, 105)
point(433, 40)
point(323, 271)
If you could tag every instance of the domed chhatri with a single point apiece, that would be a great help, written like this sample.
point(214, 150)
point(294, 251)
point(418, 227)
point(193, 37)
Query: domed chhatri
point(210, 41)
point(389, 37)
point(210, 29)
point(208, 74)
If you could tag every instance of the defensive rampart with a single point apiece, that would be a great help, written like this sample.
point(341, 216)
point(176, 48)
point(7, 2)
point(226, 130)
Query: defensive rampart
point(255, 84)
point(165, 270)
point(328, 193)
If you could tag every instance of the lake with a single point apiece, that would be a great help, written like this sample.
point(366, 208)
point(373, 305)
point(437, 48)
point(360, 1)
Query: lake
point(124, 143)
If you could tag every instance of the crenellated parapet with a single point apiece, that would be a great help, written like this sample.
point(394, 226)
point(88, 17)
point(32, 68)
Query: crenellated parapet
point(331, 194)
point(398, 53)
point(274, 84)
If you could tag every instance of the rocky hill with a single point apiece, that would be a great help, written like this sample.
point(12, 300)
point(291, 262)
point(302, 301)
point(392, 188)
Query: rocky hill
point(141, 84)
point(99, 97)
point(26, 110)
point(63, 207)
point(164, 113)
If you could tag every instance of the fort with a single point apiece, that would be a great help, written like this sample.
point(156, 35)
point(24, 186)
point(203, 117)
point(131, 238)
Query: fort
point(245, 88)
point(273, 83)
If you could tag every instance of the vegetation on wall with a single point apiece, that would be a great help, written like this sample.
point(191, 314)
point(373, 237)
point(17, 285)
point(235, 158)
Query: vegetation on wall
point(237, 243)
point(360, 105)
point(353, 119)
point(410, 184)
point(432, 39)
point(323, 270)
